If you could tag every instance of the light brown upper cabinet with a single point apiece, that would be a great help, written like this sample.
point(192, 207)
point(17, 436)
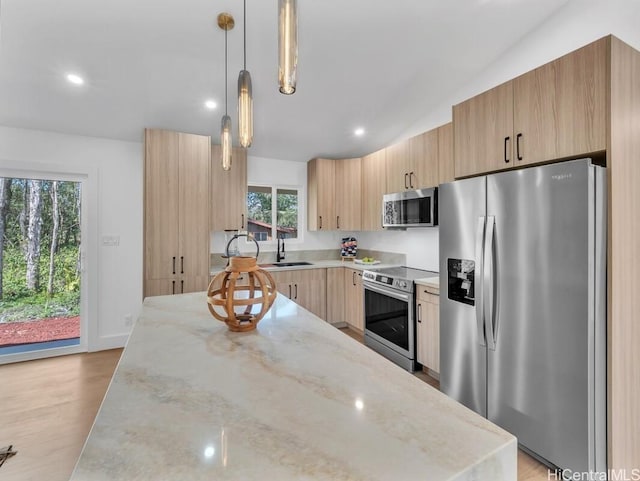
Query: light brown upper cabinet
point(229, 191)
point(555, 111)
point(413, 163)
point(176, 210)
point(334, 194)
point(348, 174)
point(445, 153)
point(321, 194)
point(374, 186)
point(423, 158)
point(397, 167)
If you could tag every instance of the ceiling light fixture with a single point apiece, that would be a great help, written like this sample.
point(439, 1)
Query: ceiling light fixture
point(226, 23)
point(359, 132)
point(210, 104)
point(287, 45)
point(75, 79)
point(245, 96)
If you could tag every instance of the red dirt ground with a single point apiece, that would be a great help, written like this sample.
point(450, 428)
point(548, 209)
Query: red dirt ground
point(41, 330)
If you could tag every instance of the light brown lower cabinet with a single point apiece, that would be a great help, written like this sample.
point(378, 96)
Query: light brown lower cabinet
point(428, 328)
point(335, 295)
point(353, 299)
point(305, 287)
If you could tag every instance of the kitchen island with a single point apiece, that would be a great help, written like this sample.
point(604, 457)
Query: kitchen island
point(295, 399)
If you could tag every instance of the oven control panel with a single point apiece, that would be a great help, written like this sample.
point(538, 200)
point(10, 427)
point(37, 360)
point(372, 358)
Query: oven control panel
point(399, 284)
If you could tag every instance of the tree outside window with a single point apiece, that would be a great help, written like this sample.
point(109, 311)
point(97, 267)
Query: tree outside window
point(272, 212)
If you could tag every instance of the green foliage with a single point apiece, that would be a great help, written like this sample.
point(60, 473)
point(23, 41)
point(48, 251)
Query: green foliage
point(21, 304)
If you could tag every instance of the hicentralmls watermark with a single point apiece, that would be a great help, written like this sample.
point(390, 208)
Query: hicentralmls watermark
point(609, 475)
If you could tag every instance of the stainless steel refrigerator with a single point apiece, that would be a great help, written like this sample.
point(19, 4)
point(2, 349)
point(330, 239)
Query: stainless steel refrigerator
point(523, 306)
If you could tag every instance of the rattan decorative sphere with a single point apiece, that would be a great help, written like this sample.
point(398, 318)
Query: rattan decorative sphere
point(242, 294)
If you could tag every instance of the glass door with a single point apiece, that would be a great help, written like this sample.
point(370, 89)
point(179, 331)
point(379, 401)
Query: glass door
point(40, 266)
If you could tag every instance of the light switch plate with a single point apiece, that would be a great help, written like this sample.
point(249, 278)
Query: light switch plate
point(111, 240)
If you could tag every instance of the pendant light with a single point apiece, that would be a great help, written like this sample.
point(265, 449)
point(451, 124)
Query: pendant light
point(226, 23)
point(245, 97)
point(287, 45)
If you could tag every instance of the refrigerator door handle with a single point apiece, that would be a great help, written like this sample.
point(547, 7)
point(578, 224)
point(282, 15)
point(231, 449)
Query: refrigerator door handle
point(478, 280)
point(489, 283)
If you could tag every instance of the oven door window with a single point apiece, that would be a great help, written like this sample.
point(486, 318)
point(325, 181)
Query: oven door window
point(387, 317)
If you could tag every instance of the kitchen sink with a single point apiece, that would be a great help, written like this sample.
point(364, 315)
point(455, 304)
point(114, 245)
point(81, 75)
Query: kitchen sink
point(287, 264)
point(292, 264)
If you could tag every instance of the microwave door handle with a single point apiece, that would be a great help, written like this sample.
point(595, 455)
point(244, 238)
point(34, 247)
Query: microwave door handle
point(489, 279)
point(478, 279)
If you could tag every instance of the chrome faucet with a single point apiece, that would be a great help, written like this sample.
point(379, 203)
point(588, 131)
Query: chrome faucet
point(280, 254)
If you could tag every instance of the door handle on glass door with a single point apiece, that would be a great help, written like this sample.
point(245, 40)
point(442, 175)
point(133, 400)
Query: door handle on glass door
point(477, 280)
point(489, 283)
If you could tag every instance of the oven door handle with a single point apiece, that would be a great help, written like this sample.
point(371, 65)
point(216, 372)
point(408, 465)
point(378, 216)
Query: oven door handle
point(387, 292)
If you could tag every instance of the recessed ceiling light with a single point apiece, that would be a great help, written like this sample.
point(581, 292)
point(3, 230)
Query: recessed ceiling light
point(75, 79)
point(359, 132)
point(210, 104)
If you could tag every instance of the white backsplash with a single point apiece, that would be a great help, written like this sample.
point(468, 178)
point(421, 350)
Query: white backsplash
point(420, 244)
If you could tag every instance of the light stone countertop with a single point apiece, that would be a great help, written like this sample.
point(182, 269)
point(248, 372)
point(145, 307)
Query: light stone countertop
point(432, 283)
point(296, 399)
point(316, 265)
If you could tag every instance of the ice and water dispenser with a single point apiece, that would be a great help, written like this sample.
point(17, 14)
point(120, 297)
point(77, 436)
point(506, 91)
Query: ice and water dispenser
point(461, 280)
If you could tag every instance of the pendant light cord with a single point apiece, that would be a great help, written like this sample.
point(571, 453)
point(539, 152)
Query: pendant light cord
point(225, 71)
point(244, 16)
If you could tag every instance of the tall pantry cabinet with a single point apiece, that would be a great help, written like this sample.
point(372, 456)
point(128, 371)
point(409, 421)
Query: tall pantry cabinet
point(176, 212)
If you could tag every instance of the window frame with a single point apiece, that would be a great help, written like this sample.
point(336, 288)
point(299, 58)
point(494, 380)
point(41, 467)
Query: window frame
point(274, 212)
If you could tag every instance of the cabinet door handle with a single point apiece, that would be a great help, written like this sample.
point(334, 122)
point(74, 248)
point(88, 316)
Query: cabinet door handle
point(289, 291)
point(353, 278)
point(320, 227)
point(411, 175)
point(181, 264)
point(405, 180)
point(173, 287)
point(242, 223)
point(420, 313)
point(338, 221)
point(296, 294)
point(506, 143)
point(182, 287)
point(518, 137)
point(174, 264)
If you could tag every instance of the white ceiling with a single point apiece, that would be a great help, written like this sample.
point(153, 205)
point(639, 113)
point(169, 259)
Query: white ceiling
point(152, 63)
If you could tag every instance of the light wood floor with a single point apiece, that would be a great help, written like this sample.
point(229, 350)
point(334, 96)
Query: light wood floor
point(48, 407)
point(529, 469)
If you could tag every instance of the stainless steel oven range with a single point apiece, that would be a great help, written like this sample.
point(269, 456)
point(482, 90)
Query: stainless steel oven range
point(389, 306)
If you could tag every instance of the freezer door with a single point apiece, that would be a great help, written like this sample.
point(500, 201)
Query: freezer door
point(540, 375)
point(463, 362)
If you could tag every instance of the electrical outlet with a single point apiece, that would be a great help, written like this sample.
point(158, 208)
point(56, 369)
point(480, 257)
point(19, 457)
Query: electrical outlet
point(128, 320)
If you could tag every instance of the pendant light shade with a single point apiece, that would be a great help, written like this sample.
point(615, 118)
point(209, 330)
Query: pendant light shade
point(245, 95)
point(287, 45)
point(226, 142)
point(245, 109)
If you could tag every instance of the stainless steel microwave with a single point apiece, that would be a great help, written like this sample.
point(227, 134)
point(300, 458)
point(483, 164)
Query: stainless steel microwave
point(411, 208)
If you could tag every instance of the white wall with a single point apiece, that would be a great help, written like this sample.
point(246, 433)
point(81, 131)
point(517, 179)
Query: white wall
point(114, 170)
point(285, 173)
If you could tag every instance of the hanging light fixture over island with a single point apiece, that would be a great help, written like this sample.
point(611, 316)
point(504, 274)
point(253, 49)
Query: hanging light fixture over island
point(226, 23)
point(245, 96)
point(287, 45)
